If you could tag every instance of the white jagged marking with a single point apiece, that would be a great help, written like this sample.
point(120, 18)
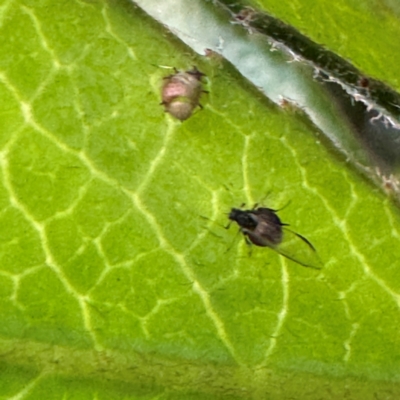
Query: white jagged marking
point(42, 37)
point(200, 291)
point(394, 232)
point(347, 343)
point(26, 391)
point(56, 64)
point(342, 225)
point(200, 181)
point(111, 32)
point(82, 191)
point(14, 279)
point(17, 279)
point(197, 287)
point(281, 315)
point(245, 170)
point(204, 296)
point(156, 309)
point(50, 261)
point(3, 10)
point(354, 325)
point(202, 235)
point(160, 155)
point(26, 109)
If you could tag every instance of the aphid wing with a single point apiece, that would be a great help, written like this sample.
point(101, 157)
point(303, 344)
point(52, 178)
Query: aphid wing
point(298, 249)
point(307, 242)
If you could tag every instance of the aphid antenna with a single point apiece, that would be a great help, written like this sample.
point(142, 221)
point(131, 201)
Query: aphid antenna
point(283, 207)
point(263, 200)
point(230, 221)
point(256, 205)
point(215, 222)
point(208, 228)
point(170, 76)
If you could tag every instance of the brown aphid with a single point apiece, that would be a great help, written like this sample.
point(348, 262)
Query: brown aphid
point(181, 93)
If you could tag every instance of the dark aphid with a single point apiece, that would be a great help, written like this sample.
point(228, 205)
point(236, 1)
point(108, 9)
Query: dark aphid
point(268, 231)
point(246, 219)
point(181, 93)
point(263, 227)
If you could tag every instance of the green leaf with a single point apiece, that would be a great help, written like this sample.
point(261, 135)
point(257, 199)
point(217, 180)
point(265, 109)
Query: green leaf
point(117, 277)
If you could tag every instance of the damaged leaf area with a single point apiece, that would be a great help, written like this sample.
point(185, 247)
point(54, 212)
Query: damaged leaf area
point(118, 278)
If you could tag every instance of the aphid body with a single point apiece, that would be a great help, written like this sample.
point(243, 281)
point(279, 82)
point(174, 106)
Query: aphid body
point(262, 227)
point(181, 93)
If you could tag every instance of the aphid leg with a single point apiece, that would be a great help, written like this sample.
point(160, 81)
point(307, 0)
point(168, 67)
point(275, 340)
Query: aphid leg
point(279, 209)
point(229, 225)
point(196, 72)
point(233, 242)
point(214, 222)
point(247, 240)
point(249, 244)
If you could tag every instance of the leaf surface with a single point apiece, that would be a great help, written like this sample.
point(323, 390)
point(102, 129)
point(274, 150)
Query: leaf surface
point(118, 279)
